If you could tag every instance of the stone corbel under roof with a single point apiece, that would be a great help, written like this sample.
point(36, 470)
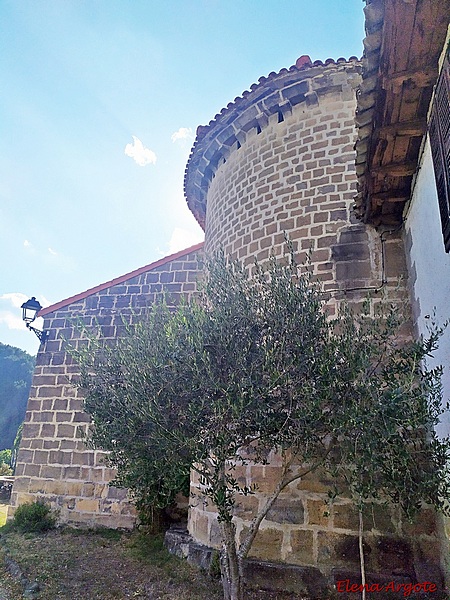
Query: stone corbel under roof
point(404, 39)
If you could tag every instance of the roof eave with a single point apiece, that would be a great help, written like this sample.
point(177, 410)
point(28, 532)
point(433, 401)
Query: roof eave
point(400, 67)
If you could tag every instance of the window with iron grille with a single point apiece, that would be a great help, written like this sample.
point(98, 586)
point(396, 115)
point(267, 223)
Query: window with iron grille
point(439, 130)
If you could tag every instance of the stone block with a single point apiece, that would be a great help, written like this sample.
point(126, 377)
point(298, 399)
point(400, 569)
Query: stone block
point(318, 512)
point(287, 510)
point(47, 430)
point(30, 430)
point(109, 474)
point(40, 457)
point(47, 391)
point(21, 484)
point(31, 470)
point(348, 252)
point(60, 404)
point(314, 482)
point(66, 431)
point(88, 490)
point(63, 417)
point(266, 477)
point(74, 488)
point(302, 549)
point(58, 488)
point(215, 535)
point(17, 499)
point(71, 472)
point(424, 524)
point(380, 518)
point(117, 493)
point(290, 579)
point(37, 486)
point(87, 505)
point(350, 271)
point(82, 458)
point(42, 416)
point(67, 444)
point(51, 444)
point(96, 475)
point(267, 544)
point(199, 527)
point(49, 472)
point(345, 516)
point(394, 555)
point(354, 235)
point(246, 507)
point(335, 548)
point(56, 457)
point(76, 404)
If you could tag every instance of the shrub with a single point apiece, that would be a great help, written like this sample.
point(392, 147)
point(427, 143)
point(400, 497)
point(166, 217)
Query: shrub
point(5, 469)
point(34, 517)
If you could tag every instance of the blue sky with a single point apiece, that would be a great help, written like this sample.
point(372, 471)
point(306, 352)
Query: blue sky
point(99, 103)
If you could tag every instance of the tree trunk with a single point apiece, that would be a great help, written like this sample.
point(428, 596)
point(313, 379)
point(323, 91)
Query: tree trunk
point(361, 554)
point(230, 564)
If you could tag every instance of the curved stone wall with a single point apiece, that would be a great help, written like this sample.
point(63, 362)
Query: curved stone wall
point(295, 177)
point(280, 160)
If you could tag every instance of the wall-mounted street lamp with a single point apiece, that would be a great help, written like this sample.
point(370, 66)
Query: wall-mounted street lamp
point(30, 309)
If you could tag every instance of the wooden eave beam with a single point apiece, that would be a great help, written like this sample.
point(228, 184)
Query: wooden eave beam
point(395, 196)
point(415, 128)
point(420, 77)
point(403, 169)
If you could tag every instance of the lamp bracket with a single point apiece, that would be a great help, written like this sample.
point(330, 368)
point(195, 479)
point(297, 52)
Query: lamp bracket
point(42, 335)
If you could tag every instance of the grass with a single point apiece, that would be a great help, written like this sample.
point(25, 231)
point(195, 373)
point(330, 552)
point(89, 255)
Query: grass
point(104, 565)
point(3, 513)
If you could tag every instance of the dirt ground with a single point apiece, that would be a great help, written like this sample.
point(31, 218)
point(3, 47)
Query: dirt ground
point(79, 565)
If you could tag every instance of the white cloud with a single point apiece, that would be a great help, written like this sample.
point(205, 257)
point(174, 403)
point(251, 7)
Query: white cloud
point(11, 320)
point(29, 247)
point(139, 153)
point(53, 252)
point(184, 133)
point(182, 238)
point(14, 298)
point(10, 314)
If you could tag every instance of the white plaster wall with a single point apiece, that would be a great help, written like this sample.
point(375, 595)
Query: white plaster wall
point(429, 267)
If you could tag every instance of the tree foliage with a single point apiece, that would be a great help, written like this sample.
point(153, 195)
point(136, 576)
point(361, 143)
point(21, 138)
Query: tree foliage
point(387, 444)
point(256, 362)
point(16, 371)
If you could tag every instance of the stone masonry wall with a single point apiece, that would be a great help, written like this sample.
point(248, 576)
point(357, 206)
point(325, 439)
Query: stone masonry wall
point(297, 177)
point(294, 172)
point(53, 463)
point(302, 528)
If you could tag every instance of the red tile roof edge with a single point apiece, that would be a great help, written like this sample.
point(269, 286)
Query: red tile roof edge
point(103, 286)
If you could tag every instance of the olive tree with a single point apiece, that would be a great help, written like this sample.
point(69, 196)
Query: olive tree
point(388, 447)
point(254, 361)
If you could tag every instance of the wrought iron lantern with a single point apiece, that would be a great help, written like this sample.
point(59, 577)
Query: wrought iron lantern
point(30, 309)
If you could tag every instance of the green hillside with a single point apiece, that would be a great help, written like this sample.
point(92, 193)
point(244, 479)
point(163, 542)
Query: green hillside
point(16, 370)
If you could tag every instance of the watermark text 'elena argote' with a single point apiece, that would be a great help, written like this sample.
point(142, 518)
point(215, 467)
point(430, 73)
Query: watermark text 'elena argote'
point(345, 585)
